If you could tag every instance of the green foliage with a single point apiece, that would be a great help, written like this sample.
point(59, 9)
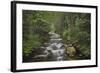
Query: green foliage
point(78, 28)
point(35, 31)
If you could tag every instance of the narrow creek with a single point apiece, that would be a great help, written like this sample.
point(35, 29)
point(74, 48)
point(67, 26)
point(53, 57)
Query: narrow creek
point(54, 50)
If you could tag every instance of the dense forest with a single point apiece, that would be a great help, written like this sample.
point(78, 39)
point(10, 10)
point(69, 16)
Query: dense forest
point(73, 28)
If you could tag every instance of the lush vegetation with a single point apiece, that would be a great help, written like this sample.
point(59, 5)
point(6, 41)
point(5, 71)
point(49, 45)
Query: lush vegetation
point(74, 29)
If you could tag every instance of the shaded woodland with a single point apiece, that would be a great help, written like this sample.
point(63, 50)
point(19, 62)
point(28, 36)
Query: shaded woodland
point(73, 28)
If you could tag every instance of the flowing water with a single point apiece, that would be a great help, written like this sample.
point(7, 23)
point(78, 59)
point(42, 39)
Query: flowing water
point(54, 50)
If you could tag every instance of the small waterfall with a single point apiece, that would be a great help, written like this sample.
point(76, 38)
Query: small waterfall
point(54, 50)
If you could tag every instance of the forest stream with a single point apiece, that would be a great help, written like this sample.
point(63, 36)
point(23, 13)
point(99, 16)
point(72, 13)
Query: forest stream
point(56, 36)
point(54, 50)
